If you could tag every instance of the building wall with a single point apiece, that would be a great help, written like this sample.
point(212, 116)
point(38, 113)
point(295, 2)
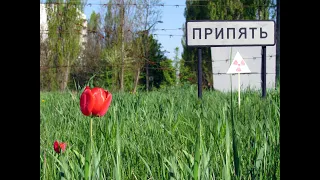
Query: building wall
point(252, 57)
point(43, 21)
point(44, 24)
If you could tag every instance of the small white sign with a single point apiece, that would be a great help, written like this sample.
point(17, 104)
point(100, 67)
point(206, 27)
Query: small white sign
point(238, 65)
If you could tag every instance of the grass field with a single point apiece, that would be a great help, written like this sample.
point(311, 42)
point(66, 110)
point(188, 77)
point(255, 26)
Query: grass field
point(167, 134)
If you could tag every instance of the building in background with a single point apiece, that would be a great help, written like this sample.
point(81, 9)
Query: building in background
point(43, 22)
point(252, 56)
point(44, 25)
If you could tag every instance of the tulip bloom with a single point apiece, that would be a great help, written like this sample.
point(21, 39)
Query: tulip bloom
point(59, 146)
point(95, 101)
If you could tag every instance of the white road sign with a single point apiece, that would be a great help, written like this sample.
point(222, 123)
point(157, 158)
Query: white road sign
point(230, 33)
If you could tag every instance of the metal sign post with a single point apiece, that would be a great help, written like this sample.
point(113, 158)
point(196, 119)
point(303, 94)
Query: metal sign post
point(206, 33)
point(199, 73)
point(264, 72)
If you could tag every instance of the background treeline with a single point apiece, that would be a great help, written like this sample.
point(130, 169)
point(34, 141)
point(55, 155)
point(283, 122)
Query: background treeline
point(113, 47)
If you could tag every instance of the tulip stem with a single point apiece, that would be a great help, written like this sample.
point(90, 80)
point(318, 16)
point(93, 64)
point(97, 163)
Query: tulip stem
point(91, 129)
point(87, 167)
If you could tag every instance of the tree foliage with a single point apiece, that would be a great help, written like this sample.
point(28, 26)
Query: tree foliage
point(114, 51)
point(112, 47)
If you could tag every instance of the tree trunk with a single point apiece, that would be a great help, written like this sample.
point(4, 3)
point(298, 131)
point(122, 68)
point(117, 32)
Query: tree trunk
point(136, 80)
point(65, 78)
point(122, 49)
point(146, 50)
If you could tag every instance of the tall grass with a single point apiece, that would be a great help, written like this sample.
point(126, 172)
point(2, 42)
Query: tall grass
point(168, 134)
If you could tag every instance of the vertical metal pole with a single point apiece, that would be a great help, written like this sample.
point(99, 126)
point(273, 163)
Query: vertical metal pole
point(278, 45)
point(199, 73)
point(212, 65)
point(263, 72)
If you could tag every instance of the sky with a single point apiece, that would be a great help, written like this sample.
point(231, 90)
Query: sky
point(172, 18)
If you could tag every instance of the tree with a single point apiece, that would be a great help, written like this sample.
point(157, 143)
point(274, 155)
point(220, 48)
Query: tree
point(44, 54)
point(122, 14)
point(189, 54)
point(143, 20)
point(137, 53)
point(117, 47)
point(161, 70)
point(123, 28)
point(176, 64)
point(168, 76)
point(149, 17)
point(65, 27)
point(90, 62)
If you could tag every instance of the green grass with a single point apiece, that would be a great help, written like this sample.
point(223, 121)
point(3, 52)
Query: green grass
point(168, 134)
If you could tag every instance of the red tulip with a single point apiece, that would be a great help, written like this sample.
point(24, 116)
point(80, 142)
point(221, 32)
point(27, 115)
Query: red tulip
point(59, 146)
point(95, 101)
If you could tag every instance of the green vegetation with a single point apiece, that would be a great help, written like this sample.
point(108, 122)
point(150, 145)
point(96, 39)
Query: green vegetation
point(162, 135)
